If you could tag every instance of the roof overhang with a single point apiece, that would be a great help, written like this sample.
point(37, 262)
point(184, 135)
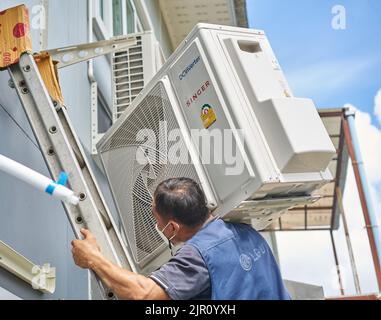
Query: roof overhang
point(180, 16)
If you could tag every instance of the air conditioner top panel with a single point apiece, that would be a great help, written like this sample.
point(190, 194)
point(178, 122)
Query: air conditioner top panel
point(209, 26)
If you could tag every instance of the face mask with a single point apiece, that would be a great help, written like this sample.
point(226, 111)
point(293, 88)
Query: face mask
point(162, 235)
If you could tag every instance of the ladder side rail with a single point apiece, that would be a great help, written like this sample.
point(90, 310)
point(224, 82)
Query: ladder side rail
point(121, 250)
point(60, 156)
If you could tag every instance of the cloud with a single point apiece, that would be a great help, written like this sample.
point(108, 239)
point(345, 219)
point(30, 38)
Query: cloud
point(307, 256)
point(328, 76)
point(359, 240)
point(369, 137)
point(377, 106)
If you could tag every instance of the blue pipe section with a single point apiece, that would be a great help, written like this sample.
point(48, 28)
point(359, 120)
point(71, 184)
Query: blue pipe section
point(368, 199)
point(62, 180)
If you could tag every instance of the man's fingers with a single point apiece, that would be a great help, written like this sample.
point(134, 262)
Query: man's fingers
point(87, 234)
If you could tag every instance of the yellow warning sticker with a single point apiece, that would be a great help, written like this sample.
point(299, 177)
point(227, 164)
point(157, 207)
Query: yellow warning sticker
point(208, 116)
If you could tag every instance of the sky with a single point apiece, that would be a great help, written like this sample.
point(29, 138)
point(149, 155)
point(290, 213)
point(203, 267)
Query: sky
point(336, 62)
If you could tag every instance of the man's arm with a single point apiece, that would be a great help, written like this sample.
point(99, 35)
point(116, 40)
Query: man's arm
point(125, 284)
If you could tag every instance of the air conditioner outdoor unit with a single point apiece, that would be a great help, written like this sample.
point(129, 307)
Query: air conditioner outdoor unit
point(219, 111)
point(132, 69)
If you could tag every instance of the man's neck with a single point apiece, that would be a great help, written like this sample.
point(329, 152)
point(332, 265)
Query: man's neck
point(189, 233)
point(210, 218)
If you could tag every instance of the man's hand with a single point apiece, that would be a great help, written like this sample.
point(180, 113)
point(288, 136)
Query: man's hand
point(125, 284)
point(86, 251)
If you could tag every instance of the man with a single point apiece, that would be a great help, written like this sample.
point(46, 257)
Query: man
point(218, 260)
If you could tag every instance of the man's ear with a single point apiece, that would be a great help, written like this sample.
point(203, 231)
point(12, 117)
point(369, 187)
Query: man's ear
point(175, 226)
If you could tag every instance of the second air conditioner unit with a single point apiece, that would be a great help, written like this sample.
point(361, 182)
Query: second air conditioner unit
point(268, 151)
point(132, 69)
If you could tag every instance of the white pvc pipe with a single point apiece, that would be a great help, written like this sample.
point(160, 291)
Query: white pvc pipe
point(37, 180)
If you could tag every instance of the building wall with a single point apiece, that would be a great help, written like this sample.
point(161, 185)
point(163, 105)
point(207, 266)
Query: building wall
point(160, 28)
point(31, 222)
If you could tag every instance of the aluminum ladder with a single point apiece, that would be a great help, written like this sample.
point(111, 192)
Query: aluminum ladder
point(62, 150)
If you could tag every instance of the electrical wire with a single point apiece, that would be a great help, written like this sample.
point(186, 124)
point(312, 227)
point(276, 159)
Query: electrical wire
point(19, 126)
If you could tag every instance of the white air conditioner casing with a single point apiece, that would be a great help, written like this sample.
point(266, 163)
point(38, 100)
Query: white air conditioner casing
point(220, 78)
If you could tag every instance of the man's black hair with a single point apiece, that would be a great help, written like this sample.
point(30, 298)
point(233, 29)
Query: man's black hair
point(182, 200)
